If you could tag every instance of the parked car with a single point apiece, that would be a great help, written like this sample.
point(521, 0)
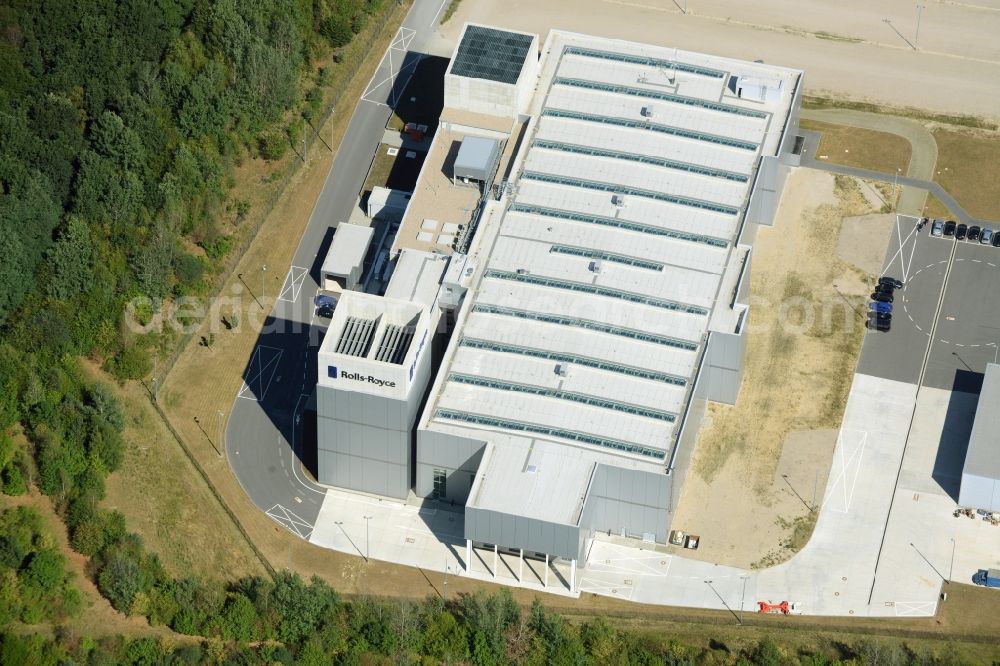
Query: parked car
point(961, 231)
point(882, 296)
point(974, 232)
point(996, 239)
point(876, 306)
point(949, 228)
point(878, 322)
point(986, 236)
point(895, 282)
point(937, 228)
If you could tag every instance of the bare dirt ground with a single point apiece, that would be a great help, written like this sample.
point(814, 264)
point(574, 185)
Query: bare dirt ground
point(805, 334)
point(854, 245)
point(845, 48)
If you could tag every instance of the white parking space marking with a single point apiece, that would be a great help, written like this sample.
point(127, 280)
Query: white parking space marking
point(260, 373)
point(293, 284)
point(382, 83)
point(845, 469)
point(915, 608)
point(294, 524)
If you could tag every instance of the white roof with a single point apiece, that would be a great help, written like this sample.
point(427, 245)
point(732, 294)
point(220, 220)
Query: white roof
point(347, 249)
point(417, 276)
point(593, 295)
point(538, 479)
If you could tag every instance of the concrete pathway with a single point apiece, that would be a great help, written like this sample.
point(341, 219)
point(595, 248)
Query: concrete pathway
point(924, 147)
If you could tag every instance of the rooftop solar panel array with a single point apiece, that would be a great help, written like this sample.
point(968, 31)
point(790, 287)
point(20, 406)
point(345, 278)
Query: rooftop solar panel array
point(488, 53)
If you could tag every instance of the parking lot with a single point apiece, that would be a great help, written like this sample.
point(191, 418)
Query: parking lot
point(947, 294)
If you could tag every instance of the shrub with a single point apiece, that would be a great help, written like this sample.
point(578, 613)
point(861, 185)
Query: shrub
point(273, 145)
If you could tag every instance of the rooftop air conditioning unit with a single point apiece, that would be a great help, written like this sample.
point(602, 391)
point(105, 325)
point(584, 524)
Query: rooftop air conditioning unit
point(647, 112)
point(595, 266)
point(618, 200)
point(521, 271)
point(562, 369)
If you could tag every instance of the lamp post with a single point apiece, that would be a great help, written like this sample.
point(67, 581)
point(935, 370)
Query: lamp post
point(368, 551)
point(263, 272)
point(916, 38)
point(951, 567)
point(895, 187)
point(738, 618)
point(743, 596)
point(222, 440)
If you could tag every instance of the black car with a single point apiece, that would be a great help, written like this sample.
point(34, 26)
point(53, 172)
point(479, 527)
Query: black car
point(885, 288)
point(996, 239)
point(896, 284)
point(961, 231)
point(974, 233)
point(879, 322)
point(949, 228)
point(882, 296)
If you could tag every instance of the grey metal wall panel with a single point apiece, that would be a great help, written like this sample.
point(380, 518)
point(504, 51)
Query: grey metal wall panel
point(458, 456)
point(486, 526)
point(979, 492)
point(633, 500)
point(724, 356)
point(766, 194)
point(356, 448)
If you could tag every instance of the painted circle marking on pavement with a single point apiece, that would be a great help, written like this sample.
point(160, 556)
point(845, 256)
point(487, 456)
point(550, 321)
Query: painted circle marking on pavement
point(946, 317)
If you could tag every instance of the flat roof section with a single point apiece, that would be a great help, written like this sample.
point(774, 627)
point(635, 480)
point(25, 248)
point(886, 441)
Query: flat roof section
point(417, 277)
point(490, 53)
point(983, 456)
point(347, 249)
point(438, 206)
point(597, 286)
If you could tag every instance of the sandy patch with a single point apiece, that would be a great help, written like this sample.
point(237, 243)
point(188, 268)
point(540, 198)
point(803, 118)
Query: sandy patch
point(855, 244)
point(806, 326)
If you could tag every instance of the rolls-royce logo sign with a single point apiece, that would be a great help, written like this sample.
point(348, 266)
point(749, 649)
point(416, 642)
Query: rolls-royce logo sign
point(332, 373)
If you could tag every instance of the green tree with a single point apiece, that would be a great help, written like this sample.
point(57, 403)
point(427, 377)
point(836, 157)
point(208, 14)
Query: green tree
point(239, 619)
point(444, 638)
point(72, 259)
point(46, 570)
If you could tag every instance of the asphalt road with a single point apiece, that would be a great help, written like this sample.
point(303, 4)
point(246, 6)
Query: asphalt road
point(264, 431)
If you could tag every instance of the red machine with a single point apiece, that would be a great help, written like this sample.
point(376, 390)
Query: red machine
point(768, 607)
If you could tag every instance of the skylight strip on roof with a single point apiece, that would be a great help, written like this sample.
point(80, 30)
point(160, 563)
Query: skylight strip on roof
point(660, 95)
point(643, 159)
point(586, 361)
point(589, 253)
point(572, 435)
point(571, 396)
point(617, 223)
point(632, 191)
point(587, 324)
point(645, 60)
point(653, 127)
point(542, 281)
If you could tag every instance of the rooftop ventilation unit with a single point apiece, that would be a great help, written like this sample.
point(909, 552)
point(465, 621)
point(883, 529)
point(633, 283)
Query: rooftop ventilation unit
point(595, 266)
point(618, 200)
point(646, 112)
point(562, 369)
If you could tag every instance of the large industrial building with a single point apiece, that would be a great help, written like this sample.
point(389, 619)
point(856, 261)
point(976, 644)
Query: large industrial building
point(581, 235)
point(980, 488)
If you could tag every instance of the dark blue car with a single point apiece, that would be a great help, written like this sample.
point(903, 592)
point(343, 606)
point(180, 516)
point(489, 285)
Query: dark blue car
point(880, 307)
